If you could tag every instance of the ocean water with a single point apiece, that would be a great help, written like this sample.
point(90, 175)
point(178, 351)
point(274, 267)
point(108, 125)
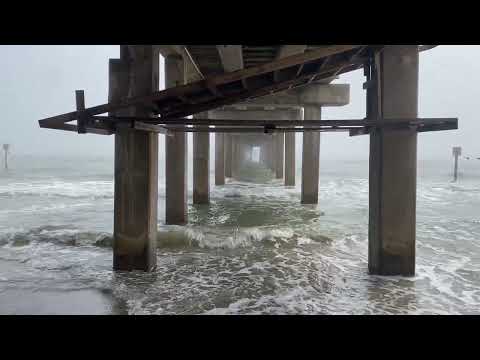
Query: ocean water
point(254, 250)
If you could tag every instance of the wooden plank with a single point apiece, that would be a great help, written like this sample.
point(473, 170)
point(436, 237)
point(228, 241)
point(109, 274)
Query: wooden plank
point(246, 95)
point(281, 63)
point(138, 125)
point(254, 129)
point(281, 122)
point(74, 128)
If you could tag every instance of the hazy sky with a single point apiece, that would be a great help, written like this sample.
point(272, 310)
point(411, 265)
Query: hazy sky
point(39, 81)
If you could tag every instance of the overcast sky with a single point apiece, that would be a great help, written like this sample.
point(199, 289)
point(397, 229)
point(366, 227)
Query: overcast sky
point(39, 81)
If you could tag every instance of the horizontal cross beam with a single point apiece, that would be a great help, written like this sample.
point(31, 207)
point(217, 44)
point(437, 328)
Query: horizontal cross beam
point(280, 122)
point(106, 125)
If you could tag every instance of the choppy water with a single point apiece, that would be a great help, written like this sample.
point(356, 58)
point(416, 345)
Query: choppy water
point(254, 250)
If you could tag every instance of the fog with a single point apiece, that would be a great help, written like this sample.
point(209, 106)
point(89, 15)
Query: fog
point(39, 81)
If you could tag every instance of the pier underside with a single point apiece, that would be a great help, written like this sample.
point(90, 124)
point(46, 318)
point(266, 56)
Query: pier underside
point(283, 91)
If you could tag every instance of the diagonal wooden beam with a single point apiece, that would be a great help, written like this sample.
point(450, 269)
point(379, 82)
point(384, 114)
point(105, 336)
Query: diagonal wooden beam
point(282, 63)
point(266, 90)
point(289, 50)
point(211, 83)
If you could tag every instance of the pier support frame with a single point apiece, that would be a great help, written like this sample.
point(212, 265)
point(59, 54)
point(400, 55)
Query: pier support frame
point(393, 164)
point(136, 163)
point(311, 158)
point(175, 154)
point(201, 165)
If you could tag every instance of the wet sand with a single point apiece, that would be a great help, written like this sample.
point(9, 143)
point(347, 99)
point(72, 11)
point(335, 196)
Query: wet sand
point(54, 301)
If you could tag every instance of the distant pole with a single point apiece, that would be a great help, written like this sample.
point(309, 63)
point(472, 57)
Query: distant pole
point(457, 151)
point(5, 150)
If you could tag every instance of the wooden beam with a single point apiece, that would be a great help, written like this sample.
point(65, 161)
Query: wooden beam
point(211, 83)
point(246, 129)
point(280, 122)
point(74, 128)
point(289, 50)
point(266, 90)
point(282, 63)
point(138, 125)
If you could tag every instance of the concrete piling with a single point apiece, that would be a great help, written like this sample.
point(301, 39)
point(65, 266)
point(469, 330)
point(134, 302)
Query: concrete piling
point(219, 159)
point(310, 158)
point(136, 163)
point(201, 165)
point(176, 160)
point(393, 164)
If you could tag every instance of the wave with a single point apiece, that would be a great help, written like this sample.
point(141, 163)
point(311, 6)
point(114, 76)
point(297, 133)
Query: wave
point(168, 237)
point(73, 190)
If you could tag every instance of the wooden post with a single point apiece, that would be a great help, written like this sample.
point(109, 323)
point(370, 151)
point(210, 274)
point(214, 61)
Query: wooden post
point(457, 151)
point(80, 101)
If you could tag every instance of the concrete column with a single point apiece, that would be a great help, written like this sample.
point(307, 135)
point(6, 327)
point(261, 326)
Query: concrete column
point(136, 163)
point(279, 154)
point(290, 166)
point(311, 158)
point(262, 154)
point(393, 165)
point(270, 153)
point(175, 155)
point(228, 155)
point(219, 159)
point(235, 157)
point(201, 165)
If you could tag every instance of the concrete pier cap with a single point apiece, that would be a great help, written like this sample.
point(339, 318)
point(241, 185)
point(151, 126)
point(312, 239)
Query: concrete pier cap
point(310, 95)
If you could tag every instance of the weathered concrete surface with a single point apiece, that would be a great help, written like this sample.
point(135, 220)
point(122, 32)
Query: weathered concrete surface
point(228, 155)
point(270, 153)
point(136, 163)
point(235, 157)
point(311, 158)
point(175, 155)
point(311, 95)
point(219, 159)
point(201, 165)
point(290, 166)
point(393, 165)
point(279, 154)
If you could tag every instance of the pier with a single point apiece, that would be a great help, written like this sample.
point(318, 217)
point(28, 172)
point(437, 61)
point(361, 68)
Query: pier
point(256, 97)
